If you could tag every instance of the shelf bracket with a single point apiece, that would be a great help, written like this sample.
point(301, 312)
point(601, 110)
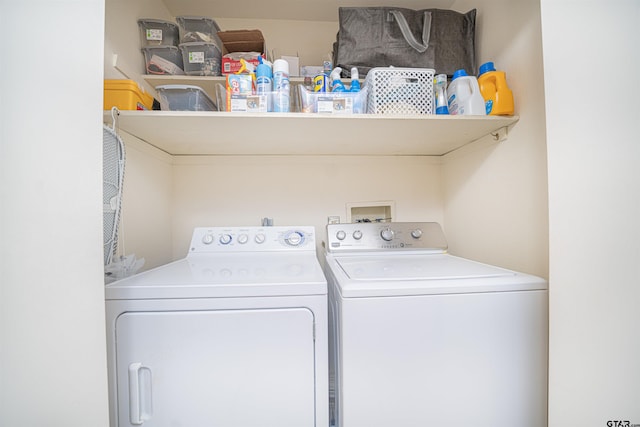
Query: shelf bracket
point(501, 134)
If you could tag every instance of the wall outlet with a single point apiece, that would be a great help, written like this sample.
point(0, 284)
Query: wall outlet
point(382, 211)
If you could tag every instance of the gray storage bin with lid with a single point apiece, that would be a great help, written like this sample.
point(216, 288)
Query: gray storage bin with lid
point(201, 59)
point(163, 60)
point(198, 29)
point(184, 98)
point(156, 32)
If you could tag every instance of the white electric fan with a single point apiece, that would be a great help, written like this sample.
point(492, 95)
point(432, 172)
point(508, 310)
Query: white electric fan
point(113, 156)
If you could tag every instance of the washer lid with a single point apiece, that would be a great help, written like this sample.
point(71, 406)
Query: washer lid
point(226, 276)
point(416, 267)
point(420, 273)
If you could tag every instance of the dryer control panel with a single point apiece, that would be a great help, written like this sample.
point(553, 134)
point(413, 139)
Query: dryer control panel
point(252, 239)
point(386, 236)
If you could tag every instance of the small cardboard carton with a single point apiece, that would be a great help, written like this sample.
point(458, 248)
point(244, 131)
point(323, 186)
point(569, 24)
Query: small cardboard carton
point(240, 41)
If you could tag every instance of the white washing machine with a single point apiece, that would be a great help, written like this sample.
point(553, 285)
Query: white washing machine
point(420, 338)
point(233, 335)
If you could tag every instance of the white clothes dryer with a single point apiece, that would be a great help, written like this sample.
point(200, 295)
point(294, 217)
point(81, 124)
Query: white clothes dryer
point(419, 337)
point(234, 334)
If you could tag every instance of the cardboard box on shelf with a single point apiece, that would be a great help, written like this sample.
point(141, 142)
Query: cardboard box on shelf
point(240, 41)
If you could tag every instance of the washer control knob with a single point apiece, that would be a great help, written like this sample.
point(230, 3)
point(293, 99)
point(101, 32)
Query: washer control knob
point(357, 234)
point(417, 233)
point(341, 235)
point(294, 238)
point(243, 238)
point(207, 239)
point(260, 238)
point(387, 234)
point(225, 239)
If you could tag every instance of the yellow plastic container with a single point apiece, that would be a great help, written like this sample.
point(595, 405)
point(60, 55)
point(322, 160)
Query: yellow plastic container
point(126, 95)
point(495, 91)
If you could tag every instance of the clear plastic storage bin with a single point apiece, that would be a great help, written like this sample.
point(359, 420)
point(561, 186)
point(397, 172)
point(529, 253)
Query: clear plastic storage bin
point(333, 102)
point(252, 103)
point(156, 32)
point(201, 59)
point(198, 29)
point(163, 60)
point(184, 98)
point(400, 91)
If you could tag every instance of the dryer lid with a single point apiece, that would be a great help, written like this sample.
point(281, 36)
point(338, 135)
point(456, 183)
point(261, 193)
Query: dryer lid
point(226, 276)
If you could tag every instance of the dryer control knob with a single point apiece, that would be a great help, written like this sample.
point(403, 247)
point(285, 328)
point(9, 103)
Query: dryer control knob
point(207, 239)
point(357, 234)
point(260, 238)
point(341, 235)
point(225, 239)
point(294, 238)
point(387, 234)
point(416, 234)
point(243, 238)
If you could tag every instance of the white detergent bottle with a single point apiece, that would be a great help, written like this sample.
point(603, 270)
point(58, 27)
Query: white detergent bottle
point(464, 95)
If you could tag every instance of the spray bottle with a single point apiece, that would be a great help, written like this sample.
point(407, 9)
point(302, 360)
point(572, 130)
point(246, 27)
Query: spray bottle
point(440, 85)
point(264, 76)
point(355, 80)
point(336, 83)
point(281, 86)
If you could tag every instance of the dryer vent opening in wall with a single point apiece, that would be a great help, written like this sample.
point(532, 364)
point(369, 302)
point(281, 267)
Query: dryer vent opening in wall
point(383, 211)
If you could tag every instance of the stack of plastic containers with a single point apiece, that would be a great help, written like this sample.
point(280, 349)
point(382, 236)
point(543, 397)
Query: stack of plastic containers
point(200, 45)
point(159, 40)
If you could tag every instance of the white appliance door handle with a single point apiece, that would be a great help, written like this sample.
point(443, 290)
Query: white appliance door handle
point(140, 409)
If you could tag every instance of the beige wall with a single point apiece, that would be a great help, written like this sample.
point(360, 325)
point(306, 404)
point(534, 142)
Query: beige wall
point(147, 204)
point(297, 190)
point(501, 186)
point(594, 206)
point(52, 317)
point(495, 195)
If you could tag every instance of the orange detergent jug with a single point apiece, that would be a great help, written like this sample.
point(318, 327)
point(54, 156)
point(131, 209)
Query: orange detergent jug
point(495, 91)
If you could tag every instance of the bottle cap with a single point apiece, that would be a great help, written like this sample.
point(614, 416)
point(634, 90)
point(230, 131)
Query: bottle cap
point(440, 79)
point(486, 67)
point(459, 73)
point(280, 65)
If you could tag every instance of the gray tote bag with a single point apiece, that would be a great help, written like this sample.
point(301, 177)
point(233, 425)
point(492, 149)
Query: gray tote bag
point(390, 36)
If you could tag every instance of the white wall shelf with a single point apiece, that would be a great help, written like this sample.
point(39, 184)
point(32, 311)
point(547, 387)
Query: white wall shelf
point(223, 133)
point(226, 133)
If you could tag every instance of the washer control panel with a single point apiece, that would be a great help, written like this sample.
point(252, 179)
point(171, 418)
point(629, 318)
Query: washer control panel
point(385, 236)
point(252, 239)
